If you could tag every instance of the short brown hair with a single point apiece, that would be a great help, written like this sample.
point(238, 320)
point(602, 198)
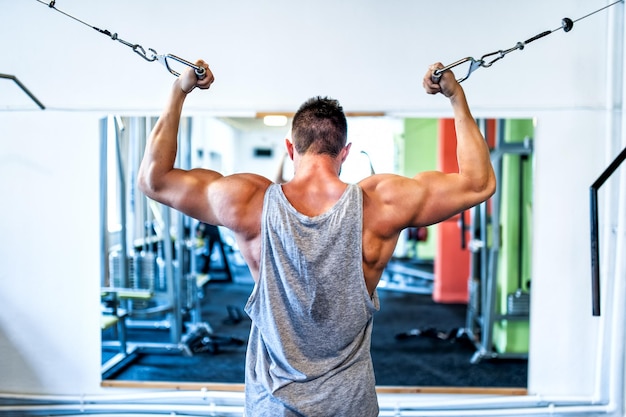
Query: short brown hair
point(320, 126)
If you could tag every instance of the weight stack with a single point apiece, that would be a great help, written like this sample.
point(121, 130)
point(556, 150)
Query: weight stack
point(144, 271)
point(518, 303)
point(116, 265)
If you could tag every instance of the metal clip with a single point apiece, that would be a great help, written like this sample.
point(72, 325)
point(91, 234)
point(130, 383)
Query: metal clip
point(501, 54)
point(474, 65)
point(163, 59)
point(142, 53)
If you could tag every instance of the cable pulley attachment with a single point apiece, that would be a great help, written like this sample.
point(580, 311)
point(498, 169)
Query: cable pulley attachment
point(489, 59)
point(151, 55)
point(567, 24)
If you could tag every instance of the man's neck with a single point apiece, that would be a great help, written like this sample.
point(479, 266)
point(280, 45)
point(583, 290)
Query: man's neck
point(316, 167)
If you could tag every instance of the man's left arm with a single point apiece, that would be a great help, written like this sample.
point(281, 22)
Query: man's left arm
point(158, 179)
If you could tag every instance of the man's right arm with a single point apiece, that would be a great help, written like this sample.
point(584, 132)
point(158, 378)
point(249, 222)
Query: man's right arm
point(157, 177)
point(204, 194)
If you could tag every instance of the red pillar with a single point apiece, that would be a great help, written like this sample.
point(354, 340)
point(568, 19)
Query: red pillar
point(451, 262)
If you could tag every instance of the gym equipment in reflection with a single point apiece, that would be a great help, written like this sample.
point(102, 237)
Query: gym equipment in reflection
point(149, 276)
point(410, 272)
point(497, 237)
point(212, 244)
point(500, 245)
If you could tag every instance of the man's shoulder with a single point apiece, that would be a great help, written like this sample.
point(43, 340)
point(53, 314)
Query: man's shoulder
point(239, 197)
point(379, 184)
point(244, 182)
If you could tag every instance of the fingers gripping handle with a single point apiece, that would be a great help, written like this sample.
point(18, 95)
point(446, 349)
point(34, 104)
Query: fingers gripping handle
point(165, 60)
point(439, 69)
point(436, 77)
point(200, 72)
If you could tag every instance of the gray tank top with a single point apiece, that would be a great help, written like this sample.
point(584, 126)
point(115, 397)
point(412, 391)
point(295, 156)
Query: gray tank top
point(309, 347)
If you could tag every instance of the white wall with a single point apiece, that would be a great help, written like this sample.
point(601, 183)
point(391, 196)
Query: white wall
point(248, 141)
point(213, 137)
point(370, 55)
point(567, 161)
point(49, 255)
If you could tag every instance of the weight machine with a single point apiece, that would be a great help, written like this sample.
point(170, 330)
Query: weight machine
point(149, 278)
point(485, 243)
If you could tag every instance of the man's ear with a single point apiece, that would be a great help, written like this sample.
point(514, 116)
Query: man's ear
point(289, 147)
point(345, 151)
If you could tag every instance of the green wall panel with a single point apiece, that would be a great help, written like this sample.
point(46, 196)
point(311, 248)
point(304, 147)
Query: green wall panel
point(511, 336)
point(418, 152)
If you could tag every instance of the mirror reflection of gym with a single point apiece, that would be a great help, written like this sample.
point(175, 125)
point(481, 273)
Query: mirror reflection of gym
point(173, 289)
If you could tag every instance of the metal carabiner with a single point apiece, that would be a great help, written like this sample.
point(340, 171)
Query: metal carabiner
point(474, 65)
point(138, 49)
point(163, 59)
point(500, 54)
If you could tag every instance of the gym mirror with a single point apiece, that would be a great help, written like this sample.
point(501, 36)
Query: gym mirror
point(454, 300)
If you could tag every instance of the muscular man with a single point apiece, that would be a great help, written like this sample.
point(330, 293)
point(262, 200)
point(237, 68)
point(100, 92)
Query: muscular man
point(316, 246)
